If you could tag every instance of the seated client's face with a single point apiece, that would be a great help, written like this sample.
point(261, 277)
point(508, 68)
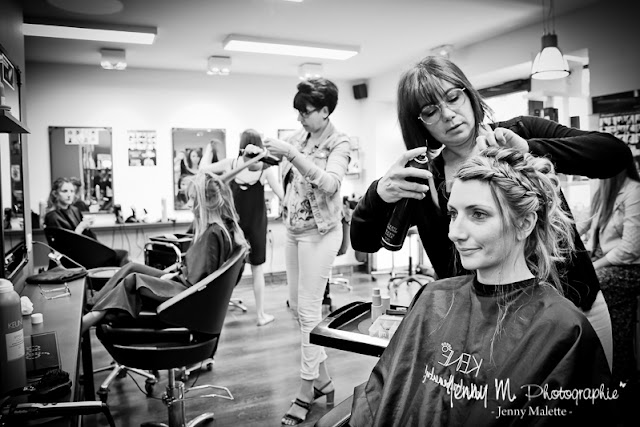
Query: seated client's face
point(477, 228)
point(66, 194)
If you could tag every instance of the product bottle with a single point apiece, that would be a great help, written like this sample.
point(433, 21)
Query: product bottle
point(386, 304)
point(398, 225)
point(163, 205)
point(13, 371)
point(376, 304)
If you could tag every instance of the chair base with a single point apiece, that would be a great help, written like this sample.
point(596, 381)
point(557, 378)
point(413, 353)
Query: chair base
point(120, 371)
point(340, 282)
point(237, 302)
point(419, 279)
point(197, 421)
point(174, 399)
point(187, 371)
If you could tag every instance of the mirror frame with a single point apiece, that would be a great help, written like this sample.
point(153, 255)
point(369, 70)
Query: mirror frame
point(80, 165)
point(185, 141)
point(15, 258)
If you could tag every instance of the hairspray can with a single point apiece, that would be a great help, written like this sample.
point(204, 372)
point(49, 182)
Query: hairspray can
point(399, 224)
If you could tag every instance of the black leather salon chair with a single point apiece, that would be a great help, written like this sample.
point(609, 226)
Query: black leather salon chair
point(181, 331)
point(100, 260)
point(83, 250)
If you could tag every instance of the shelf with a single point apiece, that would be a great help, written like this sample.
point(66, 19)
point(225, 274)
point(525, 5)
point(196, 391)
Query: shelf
point(9, 124)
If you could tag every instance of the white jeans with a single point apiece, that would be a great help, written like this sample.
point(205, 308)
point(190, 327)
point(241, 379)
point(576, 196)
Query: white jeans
point(599, 318)
point(308, 258)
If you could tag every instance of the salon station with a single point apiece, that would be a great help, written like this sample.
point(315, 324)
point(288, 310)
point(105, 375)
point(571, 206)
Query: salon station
point(125, 103)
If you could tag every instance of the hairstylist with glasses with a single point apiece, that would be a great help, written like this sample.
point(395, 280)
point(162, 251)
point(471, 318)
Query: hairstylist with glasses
point(316, 160)
point(440, 112)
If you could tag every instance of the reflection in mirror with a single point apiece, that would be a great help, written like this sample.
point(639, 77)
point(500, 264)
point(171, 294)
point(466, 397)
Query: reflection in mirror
point(12, 203)
point(84, 153)
point(14, 253)
point(191, 148)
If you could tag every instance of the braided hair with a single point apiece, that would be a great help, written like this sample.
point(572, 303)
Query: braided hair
point(523, 184)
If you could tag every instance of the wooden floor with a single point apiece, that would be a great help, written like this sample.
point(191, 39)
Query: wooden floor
point(260, 365)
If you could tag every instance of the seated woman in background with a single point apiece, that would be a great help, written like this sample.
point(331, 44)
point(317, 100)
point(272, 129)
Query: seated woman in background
point(614, 235)
point(479, 349)
point(62, 213)
point(216, 235)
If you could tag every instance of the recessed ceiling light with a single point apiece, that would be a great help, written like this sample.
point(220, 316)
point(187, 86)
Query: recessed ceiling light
point(138, 36)
point(288, 47)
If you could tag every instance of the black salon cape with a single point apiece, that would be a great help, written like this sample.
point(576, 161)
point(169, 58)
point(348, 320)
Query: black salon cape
point(123, 291)
point(68, 219)
point(545, 340)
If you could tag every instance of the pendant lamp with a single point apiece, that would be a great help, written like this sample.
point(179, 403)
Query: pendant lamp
point(549, 63)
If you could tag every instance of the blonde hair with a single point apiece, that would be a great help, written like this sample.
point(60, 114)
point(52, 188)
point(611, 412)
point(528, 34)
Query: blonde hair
point(210, 195)
point(522, 184)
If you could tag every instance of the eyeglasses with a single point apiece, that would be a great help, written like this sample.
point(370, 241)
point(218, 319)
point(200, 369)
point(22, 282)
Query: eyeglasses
point(431, 114)
point(306, 114)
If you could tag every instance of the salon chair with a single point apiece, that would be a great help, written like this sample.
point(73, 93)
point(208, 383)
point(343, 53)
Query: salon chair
point(80, 250)
point(162, 252)
point(83, 250)
point(181, 331)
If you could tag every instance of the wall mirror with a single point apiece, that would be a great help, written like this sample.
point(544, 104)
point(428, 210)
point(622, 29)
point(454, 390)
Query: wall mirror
point(84, 153)
point(192, 147)
point(14, 250)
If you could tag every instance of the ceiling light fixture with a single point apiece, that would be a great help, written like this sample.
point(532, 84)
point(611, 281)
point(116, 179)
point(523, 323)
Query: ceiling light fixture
point(137, 36)
point(309, 70)
point(113, 59)
point(549, 62)
point(219, 66)
point(288, 47)
point(444, 50)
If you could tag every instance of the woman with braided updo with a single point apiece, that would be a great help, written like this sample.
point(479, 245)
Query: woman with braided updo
point(441, 113)
point(479, 350)
point(216, 235)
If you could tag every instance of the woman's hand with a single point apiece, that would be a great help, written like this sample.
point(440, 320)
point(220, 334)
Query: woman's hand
point(280, 148)
point(501, 137)
point(394, 186)
point(86, 222)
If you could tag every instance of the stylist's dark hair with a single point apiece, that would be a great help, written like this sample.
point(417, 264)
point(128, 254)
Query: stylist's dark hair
point(420, 86)
point(318, 92)
point(250, 136)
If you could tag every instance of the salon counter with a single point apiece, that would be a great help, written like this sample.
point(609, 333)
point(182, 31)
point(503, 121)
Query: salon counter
point(133, 236)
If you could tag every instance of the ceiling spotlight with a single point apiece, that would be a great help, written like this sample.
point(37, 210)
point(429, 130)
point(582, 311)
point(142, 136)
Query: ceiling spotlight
point(309, 70)
point(444, 50)
point(113, 59)
point(219, 65)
